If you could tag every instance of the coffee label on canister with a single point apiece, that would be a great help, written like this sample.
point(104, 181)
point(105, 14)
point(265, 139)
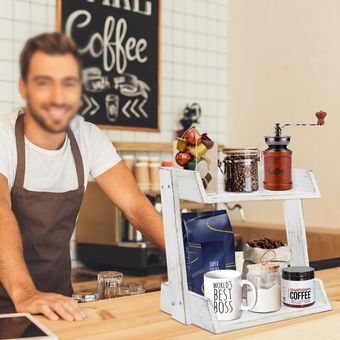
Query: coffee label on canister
point(298, 293)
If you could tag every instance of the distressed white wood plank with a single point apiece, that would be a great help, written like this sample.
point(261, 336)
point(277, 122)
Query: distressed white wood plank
point(191, 189)
point(178, 287)
point(165, 298)
point(190, 185)
point(296, 232)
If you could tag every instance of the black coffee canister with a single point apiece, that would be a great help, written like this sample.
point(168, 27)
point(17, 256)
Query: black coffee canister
point(298, 286)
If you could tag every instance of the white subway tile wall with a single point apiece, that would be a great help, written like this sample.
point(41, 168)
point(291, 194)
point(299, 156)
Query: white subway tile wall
point(193, 63)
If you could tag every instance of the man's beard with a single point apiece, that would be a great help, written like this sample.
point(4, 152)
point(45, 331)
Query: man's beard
point(42, 123)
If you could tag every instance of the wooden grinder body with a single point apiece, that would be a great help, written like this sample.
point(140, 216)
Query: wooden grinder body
point(277, 169)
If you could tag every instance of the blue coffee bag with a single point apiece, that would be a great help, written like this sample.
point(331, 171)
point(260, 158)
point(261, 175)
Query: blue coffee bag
point(208, 245)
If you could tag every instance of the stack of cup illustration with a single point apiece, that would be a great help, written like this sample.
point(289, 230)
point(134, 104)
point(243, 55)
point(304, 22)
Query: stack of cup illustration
point(154, 165)
point(145, 170)
point(142, 174)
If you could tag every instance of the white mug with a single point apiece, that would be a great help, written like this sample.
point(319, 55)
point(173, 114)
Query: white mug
point(224, 289)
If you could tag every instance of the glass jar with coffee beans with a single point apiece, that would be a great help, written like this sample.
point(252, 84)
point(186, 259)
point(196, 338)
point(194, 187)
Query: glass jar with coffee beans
point(241, 169)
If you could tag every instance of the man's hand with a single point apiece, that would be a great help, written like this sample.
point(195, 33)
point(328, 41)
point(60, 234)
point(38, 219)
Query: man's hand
point(53, 306)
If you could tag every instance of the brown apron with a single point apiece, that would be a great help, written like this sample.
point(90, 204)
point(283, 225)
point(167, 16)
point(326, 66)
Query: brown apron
point(46, 221)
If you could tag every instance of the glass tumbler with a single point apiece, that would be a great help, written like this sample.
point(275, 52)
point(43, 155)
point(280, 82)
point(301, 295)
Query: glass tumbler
point(108, 284)
point(267, 280)
point(132, 289)
point(85, 297)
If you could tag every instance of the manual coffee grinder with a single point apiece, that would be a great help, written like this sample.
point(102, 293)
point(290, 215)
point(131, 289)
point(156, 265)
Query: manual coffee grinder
point(278, 158)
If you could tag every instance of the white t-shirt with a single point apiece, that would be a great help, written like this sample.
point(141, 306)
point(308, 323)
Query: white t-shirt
point(54, 170)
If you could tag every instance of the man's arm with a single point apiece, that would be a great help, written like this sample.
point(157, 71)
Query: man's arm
point(14, 274)
point(120, 186)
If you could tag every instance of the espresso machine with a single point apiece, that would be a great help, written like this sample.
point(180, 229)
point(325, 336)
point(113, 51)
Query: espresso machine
point(278, 158)
point(106, 240)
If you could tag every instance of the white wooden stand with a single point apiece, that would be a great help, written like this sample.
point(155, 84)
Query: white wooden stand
point(191, 308)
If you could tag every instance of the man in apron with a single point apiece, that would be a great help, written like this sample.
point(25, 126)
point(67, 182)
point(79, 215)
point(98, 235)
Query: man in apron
point(47, 153)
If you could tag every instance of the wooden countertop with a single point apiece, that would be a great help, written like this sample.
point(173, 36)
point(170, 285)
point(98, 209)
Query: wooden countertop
point(139, 317)
point(150, 282)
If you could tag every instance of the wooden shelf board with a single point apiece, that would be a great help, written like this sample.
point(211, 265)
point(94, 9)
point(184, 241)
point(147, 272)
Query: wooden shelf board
point(142, 147)
point(191, 188)
point(146, 147)
point(204, 317)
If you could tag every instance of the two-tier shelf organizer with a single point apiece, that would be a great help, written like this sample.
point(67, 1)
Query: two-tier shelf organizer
point(191, 308)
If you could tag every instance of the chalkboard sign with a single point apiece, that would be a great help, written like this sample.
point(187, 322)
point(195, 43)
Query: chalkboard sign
point(119, 44)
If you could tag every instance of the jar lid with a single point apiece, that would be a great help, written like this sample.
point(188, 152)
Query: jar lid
point(234, 151)
point(167, 163)
point(268, 267)
point(298, 273)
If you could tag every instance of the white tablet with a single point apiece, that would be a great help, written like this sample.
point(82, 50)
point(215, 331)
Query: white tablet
point(23, 326)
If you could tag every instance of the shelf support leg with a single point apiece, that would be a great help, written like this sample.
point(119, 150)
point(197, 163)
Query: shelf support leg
point(178, 288)
point(296, 232)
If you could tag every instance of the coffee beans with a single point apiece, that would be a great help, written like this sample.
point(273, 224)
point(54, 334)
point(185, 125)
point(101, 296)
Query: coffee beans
point(241, 171)
point(266, 243)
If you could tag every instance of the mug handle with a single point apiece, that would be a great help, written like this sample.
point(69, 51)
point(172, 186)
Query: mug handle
point(253, 303)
